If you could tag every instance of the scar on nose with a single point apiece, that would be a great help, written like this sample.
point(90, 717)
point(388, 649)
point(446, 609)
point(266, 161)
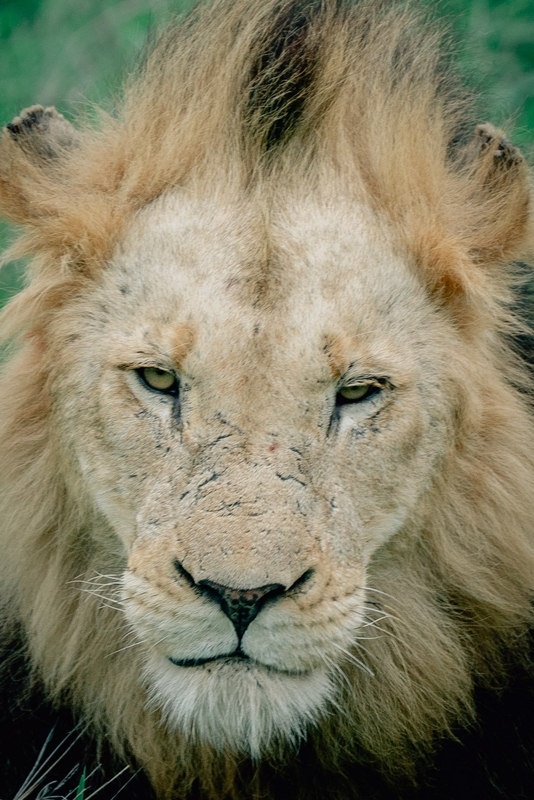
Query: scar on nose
point(182, 340)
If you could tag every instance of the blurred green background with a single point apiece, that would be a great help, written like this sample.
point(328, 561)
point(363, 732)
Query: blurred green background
point(65, 52)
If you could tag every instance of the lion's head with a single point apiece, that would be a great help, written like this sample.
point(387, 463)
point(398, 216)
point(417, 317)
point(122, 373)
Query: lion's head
point(266, 469)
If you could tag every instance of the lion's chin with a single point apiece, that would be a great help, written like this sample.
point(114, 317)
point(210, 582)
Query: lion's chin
point(236, 704)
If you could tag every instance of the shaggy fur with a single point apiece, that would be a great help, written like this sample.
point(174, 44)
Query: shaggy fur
point(295, 150)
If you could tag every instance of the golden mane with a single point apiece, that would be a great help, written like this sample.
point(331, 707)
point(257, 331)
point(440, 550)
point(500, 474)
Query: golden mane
point(246, 89)
point(258, 93)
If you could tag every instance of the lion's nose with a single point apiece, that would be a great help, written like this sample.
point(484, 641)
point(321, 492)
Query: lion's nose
point(241, 605)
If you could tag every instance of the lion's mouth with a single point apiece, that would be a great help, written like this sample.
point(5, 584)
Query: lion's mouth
point(232, 658)
point(237, 655)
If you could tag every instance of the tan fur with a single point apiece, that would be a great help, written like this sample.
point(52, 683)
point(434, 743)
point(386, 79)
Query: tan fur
point(366, 242)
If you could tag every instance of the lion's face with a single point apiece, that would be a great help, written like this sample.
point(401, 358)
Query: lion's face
point(254, 404)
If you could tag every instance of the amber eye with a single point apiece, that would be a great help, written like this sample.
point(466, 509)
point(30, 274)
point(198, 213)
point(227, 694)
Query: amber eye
point(159, 379)
point(354, 394)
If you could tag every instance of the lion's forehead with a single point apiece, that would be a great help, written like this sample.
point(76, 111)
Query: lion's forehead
point(235, 273)
point(306, 253)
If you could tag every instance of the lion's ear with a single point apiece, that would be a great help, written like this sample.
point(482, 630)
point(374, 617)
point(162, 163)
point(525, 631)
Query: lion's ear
point(31, 147)
point(500, 177)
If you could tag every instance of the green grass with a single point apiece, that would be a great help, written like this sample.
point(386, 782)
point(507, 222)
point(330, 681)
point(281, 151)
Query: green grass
point(496, 49)
point(80, 791)
point(40, 785)
point(66, 52)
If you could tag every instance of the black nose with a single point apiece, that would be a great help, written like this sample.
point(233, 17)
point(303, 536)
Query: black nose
point(241, 605)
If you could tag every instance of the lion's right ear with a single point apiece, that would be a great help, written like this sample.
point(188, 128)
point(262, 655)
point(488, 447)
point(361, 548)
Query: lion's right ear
point(31, 148)
point(502, 191)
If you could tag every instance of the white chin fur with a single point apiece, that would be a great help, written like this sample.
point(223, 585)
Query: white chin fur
point(242, 707)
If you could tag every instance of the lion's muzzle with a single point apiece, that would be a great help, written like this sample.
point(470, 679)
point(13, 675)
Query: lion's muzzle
point(241, 606)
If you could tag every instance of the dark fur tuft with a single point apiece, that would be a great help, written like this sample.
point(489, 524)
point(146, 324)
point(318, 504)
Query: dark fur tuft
point(282, 75)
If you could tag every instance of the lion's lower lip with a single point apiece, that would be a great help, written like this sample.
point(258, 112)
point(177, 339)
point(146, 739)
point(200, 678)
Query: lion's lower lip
point(233, 658)
point(197, 662)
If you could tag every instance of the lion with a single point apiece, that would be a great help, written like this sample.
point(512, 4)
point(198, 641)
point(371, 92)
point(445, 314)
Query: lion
point(267, 450)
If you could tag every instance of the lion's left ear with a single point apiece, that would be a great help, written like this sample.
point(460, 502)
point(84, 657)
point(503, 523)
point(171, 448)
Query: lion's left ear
point(31, 147)
point(499, 177)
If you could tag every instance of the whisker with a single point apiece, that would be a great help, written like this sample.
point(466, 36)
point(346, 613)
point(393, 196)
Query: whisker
point(387, 633)
point(377, 609)
point(361, 647)
point(335, 666)
point(355, 660)
point(138, 643)
point(98, 579)
point(332, 664)
point(112, 577)
point(378, 591)
point(118, 603)
point(371, 622)
point(110, 594)
point(372, 628)
point(104, 587)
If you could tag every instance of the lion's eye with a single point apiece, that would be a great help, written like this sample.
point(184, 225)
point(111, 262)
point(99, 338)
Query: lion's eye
point(159, 379)
point(354, 394)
